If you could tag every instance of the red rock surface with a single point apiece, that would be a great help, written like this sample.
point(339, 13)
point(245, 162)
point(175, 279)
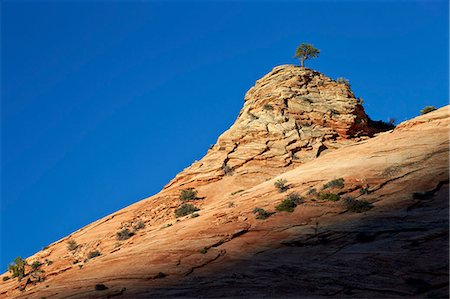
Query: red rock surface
point(398, 248)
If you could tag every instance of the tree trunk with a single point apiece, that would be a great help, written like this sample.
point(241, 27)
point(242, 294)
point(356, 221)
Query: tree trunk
point(303, 61)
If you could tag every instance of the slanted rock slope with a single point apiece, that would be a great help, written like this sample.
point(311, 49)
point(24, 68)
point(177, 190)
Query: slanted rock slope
point(391, 242)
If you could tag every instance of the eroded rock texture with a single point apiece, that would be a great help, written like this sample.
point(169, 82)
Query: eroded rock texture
point(290, 116)
point(396, 247)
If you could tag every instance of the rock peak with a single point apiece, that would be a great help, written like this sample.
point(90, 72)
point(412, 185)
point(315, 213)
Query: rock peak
point(290, 116)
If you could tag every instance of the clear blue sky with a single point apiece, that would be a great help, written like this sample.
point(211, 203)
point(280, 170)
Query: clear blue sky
point(103, 103)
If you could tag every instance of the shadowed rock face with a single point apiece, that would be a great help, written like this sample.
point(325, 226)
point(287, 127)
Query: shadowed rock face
point(290, 116)
point(398, 247)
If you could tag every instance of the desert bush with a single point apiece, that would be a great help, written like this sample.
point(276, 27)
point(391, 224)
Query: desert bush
point(48, 262)
point(93, 254)
point(261, 214)
point(227, 170)
point(427, 109)
point(100, 287)
point(194, 215)
point(5, 278)
point(188, 194)
point(139, 225)
point(204, 250)
point(280, 184)
point(338, 183)
point(185, 209)
point(267, 107)
point(124, 234)
point(312, 192)
point(364, 190)
point(329, 196)
point(357, 206)
point(72, 245)
point(342, 80)
point(166, 225)
point(36, 265)
point(380, 125)
point(17, 268)
point(289, 203)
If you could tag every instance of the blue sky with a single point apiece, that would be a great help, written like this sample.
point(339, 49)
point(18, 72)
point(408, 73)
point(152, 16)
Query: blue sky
point(103, 103)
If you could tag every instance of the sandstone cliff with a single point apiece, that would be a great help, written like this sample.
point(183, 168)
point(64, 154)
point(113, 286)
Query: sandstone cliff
point(296, 124)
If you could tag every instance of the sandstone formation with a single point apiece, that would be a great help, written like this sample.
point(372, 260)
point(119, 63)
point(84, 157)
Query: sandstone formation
point(290, 116)
point(396, 246)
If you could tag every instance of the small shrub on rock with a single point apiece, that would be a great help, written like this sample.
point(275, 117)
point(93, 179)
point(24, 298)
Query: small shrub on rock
point(100, 287)
point(342, 80)
point(357, 206)
point(280, 184)
point(427, 109)
point(72, 245)
point(17, 268)
point(139, 225)
point(5, 278)
point(227, 170)
point(364, 190)
point(36, 265)
point(289, 203)
point(188, 194)
point(185, 209)
point(337, 183)
point(261, 214)
point(93, 254)
point(204, 250)
point(268, 107)
point(124, 234)
point(329, 196)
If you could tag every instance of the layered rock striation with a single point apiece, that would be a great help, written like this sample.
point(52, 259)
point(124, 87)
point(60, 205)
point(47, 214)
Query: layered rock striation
point(296, 125)
point(290, 116)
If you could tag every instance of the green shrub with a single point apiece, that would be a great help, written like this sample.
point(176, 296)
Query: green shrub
point(5, 278)
point(194, 215)
point(357, 206)
point(49, 262)
point(167, 225)
point(100, 287)
point(261, 214)
point(72, 245)
point(427, 109)
point(139, 225)
point(312, 192)
point(124, 234)
point(17, 268)
point(268, 107)
point(280, 184)
point(227, 170)
point(289, 203)
point(338, 183)
point(204, 250)
point(188, 194)
point(364, 190)
point(329, 196)
point(93, 254)
point(36, 265)
point(185, 209)
point(342, 80)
